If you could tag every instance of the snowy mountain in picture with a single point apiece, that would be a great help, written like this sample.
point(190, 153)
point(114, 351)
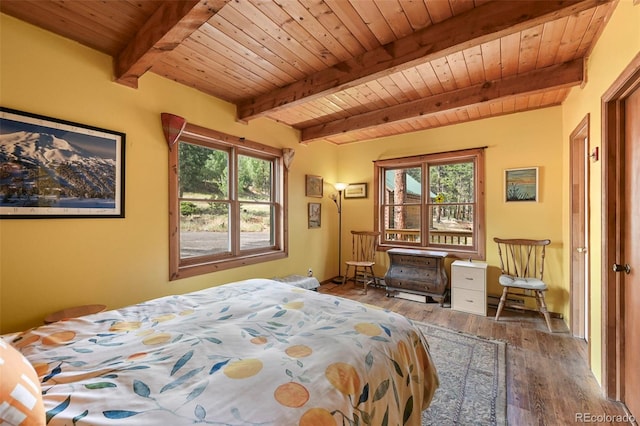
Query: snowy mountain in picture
point(39, 169)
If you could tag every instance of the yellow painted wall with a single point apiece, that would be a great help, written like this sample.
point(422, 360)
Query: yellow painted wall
point(49, 264)
point(531, 139)
point(616, 47)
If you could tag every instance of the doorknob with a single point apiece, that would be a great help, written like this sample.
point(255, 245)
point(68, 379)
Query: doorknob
point(581, 249)
point(619, 268)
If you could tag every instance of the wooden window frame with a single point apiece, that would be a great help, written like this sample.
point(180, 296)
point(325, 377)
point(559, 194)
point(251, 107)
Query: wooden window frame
point(183, 268)
point(477, 251)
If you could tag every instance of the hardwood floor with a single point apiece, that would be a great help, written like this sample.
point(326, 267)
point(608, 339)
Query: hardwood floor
point(548, 377)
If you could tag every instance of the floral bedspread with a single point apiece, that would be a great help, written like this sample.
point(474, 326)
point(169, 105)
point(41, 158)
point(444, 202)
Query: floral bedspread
point(255, 352)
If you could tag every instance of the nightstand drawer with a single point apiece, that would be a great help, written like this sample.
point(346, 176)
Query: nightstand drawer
point(472, 301)
point(469, 278)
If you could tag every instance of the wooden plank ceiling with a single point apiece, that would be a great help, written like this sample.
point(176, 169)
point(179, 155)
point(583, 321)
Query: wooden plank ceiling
point(343, 70)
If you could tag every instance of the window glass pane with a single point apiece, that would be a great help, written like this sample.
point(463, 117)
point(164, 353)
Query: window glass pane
point(451, 224)
point(403, 193)
point(451, 214)
point(403, 185)
point(203, 172)
point(453, 182)
point(204, 228)
point(254, 179)
point(402, 223)
point(256, 226)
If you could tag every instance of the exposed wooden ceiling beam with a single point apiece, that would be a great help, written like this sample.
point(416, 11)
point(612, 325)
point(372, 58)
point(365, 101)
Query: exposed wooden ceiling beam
point(553, 77)
point(169, 26)
point(485, 23)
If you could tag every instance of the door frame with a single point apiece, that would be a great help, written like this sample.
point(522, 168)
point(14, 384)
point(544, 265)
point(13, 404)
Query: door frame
point(613, 201)
point(580, 311)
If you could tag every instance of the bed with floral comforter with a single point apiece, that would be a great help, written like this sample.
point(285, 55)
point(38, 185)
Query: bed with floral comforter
point(255, 352)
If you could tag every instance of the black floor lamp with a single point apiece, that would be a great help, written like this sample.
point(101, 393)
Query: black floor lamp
point(338, 200)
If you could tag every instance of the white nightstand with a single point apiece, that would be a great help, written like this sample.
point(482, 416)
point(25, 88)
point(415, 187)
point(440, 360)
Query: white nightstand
point(469, 287)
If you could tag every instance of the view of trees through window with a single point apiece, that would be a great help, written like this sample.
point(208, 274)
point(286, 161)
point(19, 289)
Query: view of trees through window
point(404, 200)
point(209, 212)
point(450, 203)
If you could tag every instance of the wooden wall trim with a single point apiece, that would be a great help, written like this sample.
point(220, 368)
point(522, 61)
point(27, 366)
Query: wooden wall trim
point(581, 132)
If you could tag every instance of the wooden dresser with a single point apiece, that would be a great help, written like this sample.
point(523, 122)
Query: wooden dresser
point(418, 272)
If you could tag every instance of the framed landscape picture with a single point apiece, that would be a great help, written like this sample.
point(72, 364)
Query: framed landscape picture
point(52, 168)
point(521, 184)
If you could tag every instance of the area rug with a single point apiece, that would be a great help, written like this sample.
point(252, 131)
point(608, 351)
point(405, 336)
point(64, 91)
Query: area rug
point(472, 379)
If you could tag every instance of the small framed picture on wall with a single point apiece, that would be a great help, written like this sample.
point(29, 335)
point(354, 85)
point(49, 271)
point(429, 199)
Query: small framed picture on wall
point(521, 184)
point(313, 186)
point(314, 215)
point(356, 190)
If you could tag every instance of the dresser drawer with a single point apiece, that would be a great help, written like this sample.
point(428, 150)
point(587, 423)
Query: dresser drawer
point(472, 301)
point(416, 261)
point(469, 278)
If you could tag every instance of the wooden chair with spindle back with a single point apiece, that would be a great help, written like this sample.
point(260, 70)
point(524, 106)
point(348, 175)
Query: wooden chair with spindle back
point(363, 254)
point(522, 273)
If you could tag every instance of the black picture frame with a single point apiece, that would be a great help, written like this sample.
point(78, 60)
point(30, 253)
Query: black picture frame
point(52, 168)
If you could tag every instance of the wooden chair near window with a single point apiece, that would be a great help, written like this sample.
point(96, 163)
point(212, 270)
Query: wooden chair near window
point(522, 265)
point(364, 244)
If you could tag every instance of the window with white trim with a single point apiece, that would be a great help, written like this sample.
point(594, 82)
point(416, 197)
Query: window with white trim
point(227, 203)
point(433, 201)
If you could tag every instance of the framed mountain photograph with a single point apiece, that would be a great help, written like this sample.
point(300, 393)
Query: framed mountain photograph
point(52, 168)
